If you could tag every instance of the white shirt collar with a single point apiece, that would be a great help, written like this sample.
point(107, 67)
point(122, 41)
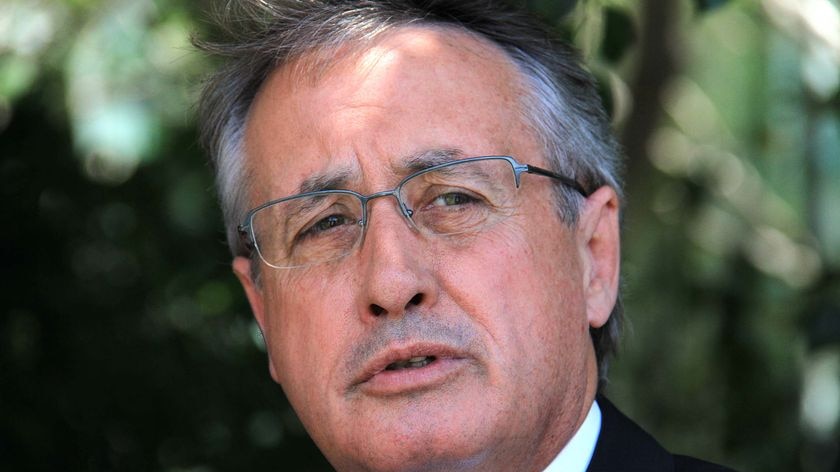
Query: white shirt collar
point(577, 453)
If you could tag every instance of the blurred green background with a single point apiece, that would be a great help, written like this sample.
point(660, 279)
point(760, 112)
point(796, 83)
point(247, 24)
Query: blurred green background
point(126, 343)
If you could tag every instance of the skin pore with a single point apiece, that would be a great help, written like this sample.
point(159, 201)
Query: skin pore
point(504, 315)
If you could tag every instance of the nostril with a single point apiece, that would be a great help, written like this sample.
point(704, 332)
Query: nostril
point(376, 309)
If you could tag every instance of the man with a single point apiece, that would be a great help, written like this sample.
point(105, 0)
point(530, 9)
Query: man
point(422, 201)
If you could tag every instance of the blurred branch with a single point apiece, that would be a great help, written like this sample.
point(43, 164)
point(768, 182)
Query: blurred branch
point(657, 65)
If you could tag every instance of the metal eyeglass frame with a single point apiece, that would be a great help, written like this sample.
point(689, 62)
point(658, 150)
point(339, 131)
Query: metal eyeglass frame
point(246, 230)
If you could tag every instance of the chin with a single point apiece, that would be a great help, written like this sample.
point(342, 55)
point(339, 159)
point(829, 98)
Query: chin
point(419, 442)
point(412, 459)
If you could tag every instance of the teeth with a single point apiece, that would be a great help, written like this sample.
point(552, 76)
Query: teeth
point(414, 362)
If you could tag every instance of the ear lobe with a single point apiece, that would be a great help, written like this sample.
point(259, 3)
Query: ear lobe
point(242, 269)
point(599, 241)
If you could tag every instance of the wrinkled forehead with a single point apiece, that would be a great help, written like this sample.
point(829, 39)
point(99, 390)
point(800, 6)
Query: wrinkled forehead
point(343, 114)
point(392, 44)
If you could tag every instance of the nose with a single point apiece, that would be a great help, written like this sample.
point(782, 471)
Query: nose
point(396, 272)
point(402, 208)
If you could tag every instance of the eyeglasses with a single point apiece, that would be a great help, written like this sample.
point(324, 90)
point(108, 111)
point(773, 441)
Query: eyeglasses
point(459, 197)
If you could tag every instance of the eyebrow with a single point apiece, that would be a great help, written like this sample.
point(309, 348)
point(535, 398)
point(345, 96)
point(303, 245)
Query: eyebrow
point(429, 158)
point(340, 178)
point(333, 180)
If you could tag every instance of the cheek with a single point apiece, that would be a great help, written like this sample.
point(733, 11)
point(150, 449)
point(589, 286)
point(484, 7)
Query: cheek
point(512, 263)
point(522, 285)
point(308, 322)
point(479, 273)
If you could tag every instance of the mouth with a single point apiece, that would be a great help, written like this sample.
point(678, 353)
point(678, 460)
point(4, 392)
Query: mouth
point(413, 363)
point(409, 369)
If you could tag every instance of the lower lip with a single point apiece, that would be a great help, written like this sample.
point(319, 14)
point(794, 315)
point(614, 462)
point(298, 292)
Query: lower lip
point(413, 380)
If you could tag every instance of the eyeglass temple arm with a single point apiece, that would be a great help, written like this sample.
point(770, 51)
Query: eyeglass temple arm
point(571, 183)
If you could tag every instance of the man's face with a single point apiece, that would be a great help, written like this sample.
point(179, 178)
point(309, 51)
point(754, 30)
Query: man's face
point(503, 315)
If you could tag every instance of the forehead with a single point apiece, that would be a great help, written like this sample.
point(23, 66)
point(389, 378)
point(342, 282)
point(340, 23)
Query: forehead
point(363, 112)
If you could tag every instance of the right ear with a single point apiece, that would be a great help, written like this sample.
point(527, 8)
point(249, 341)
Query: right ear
point(242, 269)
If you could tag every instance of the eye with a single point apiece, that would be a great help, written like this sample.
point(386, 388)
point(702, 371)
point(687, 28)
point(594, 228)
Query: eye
point(453, 199)
point(324, 225)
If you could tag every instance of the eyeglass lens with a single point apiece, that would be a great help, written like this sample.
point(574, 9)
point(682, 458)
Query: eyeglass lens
point(461, 197)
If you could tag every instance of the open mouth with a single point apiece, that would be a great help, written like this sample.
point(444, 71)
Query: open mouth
point(413, 363)
point(400, 370)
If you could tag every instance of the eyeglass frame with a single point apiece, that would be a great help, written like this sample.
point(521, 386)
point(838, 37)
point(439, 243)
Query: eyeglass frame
point(246, 230)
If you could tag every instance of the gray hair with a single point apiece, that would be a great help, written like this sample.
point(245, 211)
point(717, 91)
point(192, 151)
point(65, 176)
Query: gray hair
point(560, 101)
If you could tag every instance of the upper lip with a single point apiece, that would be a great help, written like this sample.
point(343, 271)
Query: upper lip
point(394, 353)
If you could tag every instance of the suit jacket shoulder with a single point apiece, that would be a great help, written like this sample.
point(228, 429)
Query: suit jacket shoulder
point(623, 446)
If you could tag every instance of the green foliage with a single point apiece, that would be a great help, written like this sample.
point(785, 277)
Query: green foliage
point(619, 35)
point(705, 5)
point(126, 343)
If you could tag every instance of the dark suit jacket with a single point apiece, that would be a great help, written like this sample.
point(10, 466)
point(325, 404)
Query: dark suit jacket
point(625, 447)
